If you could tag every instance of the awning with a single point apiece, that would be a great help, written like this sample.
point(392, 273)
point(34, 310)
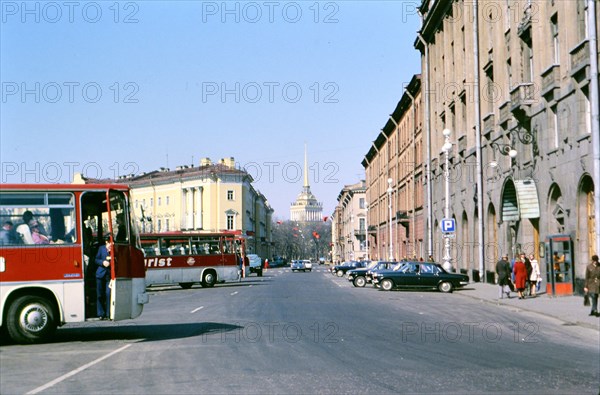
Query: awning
point(520, 200)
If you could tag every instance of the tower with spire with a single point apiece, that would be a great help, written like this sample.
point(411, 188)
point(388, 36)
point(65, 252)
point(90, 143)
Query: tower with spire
point(306, 208)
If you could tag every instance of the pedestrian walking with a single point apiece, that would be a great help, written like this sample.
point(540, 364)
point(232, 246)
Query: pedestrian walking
point(520, 273)
point(529, 269)
point(592, 284)
point(503, 271)
point(535, 276)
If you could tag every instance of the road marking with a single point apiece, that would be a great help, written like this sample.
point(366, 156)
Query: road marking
point(250, 286)
point(234, 293)
point(198, 309)
point(74, 372)
point(336, 283)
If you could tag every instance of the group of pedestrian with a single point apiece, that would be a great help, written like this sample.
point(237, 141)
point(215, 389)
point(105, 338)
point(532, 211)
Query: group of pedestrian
point(522, 276)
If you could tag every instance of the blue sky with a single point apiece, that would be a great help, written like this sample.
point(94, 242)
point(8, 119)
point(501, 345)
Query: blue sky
point(122, 87)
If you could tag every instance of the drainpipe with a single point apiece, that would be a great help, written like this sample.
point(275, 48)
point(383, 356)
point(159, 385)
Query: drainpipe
point(427, 144)
point(595, 114)
point(481, 246)
point(414, 169)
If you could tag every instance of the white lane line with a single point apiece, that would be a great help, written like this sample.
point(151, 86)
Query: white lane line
point(198, 309)
point(250, 286)
point(234, 293)
point(74, 372)
point(339, 285)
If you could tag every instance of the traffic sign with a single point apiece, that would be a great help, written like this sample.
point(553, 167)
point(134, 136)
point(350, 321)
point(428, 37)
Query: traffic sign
point(448, 225)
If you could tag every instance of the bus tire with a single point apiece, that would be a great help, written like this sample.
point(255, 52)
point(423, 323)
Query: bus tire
point(209, 279)
point(186, 285)
point(30, 319)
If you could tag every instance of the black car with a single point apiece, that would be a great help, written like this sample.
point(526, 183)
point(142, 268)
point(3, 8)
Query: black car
point(359, 277)
point(342, 269)
point(419, 275)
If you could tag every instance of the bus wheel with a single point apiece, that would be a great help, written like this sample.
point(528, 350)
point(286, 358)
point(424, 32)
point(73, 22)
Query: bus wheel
point(30, 319)
point(209, 280)
point(186, 285)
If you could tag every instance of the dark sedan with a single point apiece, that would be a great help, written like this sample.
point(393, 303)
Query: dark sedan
point(359, 277)
point(419, 275)
point(342, 269)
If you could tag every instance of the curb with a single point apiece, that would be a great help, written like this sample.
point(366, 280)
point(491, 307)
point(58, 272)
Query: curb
point(499, 303)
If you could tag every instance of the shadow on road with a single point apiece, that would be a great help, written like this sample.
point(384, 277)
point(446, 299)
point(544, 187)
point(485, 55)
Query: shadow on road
point(130, 332)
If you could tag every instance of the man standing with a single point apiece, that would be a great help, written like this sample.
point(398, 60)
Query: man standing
point(103, 259)
point(503, 271)
point(592, 283)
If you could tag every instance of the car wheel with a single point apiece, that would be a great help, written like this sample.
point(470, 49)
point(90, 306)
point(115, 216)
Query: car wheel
point(387, 284)
point(340, 273)
point(30, 319)
point(360, 281)
point(445, 287)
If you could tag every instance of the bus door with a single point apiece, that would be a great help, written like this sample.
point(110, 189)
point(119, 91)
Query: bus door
point(122, 299)
point(559, 265)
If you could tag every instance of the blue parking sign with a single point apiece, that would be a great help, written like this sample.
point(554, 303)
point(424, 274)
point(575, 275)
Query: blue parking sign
point(448, 225)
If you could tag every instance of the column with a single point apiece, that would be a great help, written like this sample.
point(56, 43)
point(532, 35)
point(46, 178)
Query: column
point(198, 208)
point(189, 223)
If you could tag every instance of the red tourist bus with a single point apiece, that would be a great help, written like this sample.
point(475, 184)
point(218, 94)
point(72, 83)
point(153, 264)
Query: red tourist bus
point(47, 256)
point(186, 258)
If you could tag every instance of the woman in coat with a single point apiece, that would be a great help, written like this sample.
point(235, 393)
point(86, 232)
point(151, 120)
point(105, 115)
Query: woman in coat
point(520, 273)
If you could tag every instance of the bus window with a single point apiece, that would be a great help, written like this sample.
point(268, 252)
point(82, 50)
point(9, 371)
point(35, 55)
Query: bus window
point(51, 214)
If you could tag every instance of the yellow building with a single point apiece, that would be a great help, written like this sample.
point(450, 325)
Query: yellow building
point(212, 197)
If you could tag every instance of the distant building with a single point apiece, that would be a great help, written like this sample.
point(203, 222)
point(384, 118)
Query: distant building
point(213, 197)
point(306, 208)
point(349, 225)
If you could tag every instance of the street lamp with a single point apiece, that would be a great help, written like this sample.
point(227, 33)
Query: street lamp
point(446, 148)
point(391, 242)
point(367, 229)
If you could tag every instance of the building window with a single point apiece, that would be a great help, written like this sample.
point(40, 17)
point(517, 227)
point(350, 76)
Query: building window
point(361, 224)
point(555, 42)
point(230, 222)
point(361, 203)
point(167, 225)
point(527, 56)
point(159, 199)
point(582, 20)
point(230, 195)
point(554, 126)
point(167, 200)
point(159, 226)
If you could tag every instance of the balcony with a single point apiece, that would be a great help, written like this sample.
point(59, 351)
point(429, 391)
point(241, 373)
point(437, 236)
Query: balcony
point(580, 61)
point(489, 122)
point(360, 233)
point(522, 96)
point(372, 229)
point(551, 82)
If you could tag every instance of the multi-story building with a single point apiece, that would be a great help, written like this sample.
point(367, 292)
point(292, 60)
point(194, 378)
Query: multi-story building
point(394, 180)
point(349, 228)
point(516, 84)
point(212, 197)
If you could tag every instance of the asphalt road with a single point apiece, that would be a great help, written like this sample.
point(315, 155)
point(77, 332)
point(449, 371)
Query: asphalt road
point(309, 333)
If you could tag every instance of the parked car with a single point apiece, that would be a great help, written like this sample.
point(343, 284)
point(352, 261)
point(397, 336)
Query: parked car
point(342, 269)
point(358, 277)
point(255, 264)
point(419, 275)
point(307, 264)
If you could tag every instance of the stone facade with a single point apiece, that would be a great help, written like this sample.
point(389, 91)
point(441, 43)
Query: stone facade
point(349, 228)
point(534, 84)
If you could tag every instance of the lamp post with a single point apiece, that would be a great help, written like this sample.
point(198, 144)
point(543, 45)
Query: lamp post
point(391, 242)
point(447, 258)
point(367, 229)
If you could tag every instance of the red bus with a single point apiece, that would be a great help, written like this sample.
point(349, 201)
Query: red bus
point(49, 239)
point(187, 258)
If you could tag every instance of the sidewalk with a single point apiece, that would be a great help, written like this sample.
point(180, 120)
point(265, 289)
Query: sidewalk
point(569, 309)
